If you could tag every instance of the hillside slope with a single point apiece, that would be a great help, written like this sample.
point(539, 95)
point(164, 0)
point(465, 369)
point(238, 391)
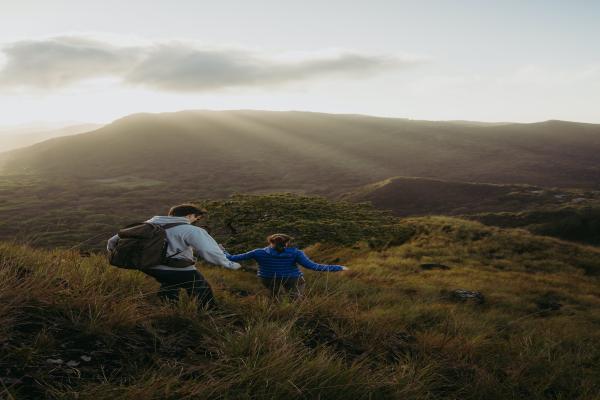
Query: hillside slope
point(572, 214)
point(580, 223)
point(406, 196)
point(20, 137)
point(74, 327)
point(247, 150)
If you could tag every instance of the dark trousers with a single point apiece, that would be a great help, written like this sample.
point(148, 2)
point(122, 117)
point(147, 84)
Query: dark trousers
point(292, 286)
point(192, 281)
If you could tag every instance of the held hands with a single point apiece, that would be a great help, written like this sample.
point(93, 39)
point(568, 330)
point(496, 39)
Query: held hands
point(232, 265)
point(235, 266)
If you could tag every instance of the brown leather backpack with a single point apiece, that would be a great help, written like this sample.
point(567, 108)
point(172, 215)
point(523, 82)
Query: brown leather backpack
point(143, 245)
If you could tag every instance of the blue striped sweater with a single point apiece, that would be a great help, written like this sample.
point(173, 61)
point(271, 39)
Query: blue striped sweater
point(273, 264)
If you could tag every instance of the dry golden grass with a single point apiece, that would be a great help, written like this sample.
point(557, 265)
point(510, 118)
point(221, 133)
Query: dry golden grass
point(384, 329)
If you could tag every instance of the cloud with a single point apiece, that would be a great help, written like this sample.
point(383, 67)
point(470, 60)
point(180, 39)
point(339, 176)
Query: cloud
point(62, 61)
point(174, 66)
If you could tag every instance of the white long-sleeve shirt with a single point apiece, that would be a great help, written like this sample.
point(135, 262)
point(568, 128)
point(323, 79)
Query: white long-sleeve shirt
point(184, 241)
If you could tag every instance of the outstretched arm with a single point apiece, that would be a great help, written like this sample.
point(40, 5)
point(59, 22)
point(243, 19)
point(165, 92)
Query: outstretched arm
point(240, 257)
point(306, 262)
point(206, 247)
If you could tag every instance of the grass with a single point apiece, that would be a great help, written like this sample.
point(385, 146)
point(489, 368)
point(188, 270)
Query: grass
point(384, 329)
point(579, 223)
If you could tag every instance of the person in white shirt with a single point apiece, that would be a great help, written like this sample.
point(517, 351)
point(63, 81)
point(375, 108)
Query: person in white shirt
point(185, 241)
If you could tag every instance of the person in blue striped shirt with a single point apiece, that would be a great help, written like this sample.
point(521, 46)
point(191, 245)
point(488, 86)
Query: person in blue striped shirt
point(278, 265)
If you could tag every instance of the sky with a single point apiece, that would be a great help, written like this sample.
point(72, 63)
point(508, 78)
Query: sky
point(96, 61)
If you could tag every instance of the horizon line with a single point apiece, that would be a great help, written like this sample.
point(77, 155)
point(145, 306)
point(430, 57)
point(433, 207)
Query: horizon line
point(63, 123)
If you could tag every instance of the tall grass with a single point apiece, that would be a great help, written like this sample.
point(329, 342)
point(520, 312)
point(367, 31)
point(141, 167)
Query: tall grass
point(385, 329)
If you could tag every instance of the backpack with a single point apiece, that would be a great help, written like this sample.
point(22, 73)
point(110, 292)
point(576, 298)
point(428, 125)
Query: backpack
point(143, 245)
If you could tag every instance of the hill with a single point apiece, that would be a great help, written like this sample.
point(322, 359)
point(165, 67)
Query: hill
point(406, 196)
point(235, 221)
point(580, 223)
point(74, 327)
point(570, 214)
point(67, 190)
point(321, 153)
point(12, 138)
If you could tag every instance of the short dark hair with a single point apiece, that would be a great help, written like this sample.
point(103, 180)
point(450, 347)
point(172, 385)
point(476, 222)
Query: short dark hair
point(185, 209)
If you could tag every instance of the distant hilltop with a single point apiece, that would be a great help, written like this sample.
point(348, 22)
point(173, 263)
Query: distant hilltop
point(253, 150)
point(22, 136)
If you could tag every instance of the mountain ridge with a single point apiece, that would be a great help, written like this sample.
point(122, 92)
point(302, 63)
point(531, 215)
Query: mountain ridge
point(301, 147)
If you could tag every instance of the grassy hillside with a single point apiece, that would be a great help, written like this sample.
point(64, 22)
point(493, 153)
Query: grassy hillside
point(576, 223)
point(65, 218)
point(74, 327)
point(406, 196)
point(67, 190)
point(67, 212)
point(326, 153)
point(570, 214)
point(242, 220)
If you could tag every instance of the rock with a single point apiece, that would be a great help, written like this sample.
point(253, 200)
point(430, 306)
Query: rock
point(549, 301)
point(431, 266)
point(549, 306)
point(72, 363)
point(86, 358)
point(465, 295)
point(56, 361)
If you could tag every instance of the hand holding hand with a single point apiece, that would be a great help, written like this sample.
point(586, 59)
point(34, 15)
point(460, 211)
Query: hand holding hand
point(235, 266)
